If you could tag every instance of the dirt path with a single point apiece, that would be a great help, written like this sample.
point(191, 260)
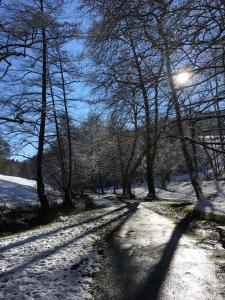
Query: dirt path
point(150, 257)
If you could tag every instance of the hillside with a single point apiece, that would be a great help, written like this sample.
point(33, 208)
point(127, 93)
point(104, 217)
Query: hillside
point(17, 192)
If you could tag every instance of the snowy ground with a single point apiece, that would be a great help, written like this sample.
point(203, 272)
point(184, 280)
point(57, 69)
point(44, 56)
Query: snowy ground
point(20, 192)
point(56, 261)
point(18, 180)
point(17, 192)
point(150, 257)
point(183, 191)
point(106, 200)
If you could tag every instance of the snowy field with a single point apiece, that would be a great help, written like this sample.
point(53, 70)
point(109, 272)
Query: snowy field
point(56, 261)
point(17, 192)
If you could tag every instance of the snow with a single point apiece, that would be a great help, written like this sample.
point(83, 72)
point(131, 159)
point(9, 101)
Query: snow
point(56, 261)
point(59, 261)
point(18, 180)
point(152, 251)
point(106, 200)
point(183, 191)
point(17, 192)
point(20, 192)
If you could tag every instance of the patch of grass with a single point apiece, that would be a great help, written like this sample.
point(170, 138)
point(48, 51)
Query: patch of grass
point(179, 205)
point(110, 197)
point(218, 255)
point(18, 220)
point(180, 208)
point(89, 203)
point(219, 219)
point(185, 208)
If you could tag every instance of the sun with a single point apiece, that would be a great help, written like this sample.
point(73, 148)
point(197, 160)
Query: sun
point(182, 78)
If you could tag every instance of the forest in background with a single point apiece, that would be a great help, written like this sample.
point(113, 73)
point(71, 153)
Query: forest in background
point(156, 75)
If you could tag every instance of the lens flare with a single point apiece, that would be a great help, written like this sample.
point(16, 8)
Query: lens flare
point(182, 78)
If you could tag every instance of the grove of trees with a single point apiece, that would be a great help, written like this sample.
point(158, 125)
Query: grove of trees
point(156, 72)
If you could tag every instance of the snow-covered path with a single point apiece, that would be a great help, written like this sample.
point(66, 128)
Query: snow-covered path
point(151, 257)
point(56, 261)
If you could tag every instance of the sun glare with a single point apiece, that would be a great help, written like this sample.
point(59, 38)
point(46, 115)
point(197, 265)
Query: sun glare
point(182, 78)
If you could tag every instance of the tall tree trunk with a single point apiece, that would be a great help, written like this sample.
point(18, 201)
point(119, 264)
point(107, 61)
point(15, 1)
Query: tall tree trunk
point(188, 159)
point(194, 148)
point(127, 193)
point(94, 189)
point(127, 178)
point(61, 154)
point(100, 177)
point(68, 195)
point(114, 181)
point(210, 161)
point(149, 157)
point(39, 162)
point(151, 177)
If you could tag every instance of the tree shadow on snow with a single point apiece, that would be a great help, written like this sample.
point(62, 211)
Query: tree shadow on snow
point(57, 230)
point(150, 289)
point(126, 280)
point(49, 252)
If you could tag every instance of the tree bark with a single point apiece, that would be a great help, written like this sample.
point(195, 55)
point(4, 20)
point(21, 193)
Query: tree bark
point(149, 157)
point(39, 162)
point(127, 192)
point(67, 195)
point(100, 177)
point(61, 154)
point(114, 182)
point(188, 159)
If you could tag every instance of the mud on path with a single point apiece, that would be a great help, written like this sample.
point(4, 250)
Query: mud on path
point(152, 257)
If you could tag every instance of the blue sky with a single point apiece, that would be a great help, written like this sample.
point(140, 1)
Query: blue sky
point(80, 109)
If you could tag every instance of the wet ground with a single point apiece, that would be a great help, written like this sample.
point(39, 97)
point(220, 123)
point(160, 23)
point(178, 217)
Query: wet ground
point(152, 257)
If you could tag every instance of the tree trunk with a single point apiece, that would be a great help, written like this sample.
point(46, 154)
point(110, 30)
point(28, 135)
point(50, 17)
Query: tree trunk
point(127, 193)
point(114, 182)
point(151, 178)
point(100, 178)
point(61, 153)
point(93, 187)
point(194, 149)
point(68, 198)
point(162, 179)
point(149, 158)
point(188, 159)
point(39, 162)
